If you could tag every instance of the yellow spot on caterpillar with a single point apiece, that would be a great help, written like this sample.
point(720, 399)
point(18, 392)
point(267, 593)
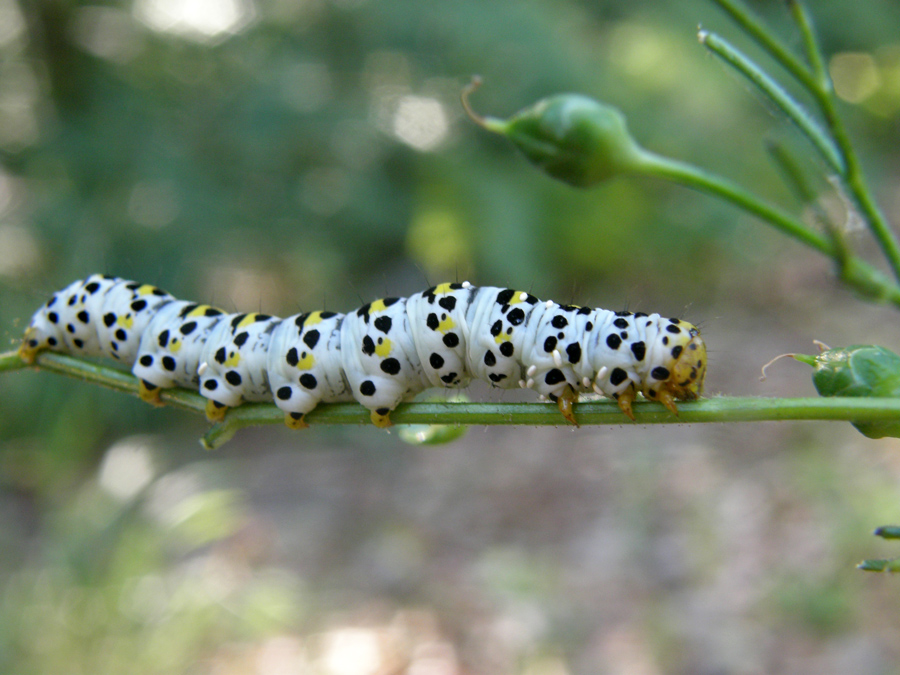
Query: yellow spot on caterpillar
point(377, 306)
point(174, 345)
point(384, 348)
point(503, 337)
point(307, 362)
point(199, 311)
point(233, 361)
point(442, 289)
point(518, 296)
point(247, 320)
point(446, 324)
point(146, 289)
point(125, 321)
point(313, 319)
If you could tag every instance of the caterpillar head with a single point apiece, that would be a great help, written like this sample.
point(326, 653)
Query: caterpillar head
point(30, 346)
point(40, 335)
point(689, 368)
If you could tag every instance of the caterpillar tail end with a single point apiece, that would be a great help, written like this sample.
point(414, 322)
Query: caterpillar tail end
point(566, 403)
point(215, 411)
point(295, 420)
point(29, 348)
point(149, 393)
point(381, 418)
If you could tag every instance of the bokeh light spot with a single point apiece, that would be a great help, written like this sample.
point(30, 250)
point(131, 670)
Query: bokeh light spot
point(420, 122)
point(127, 467)
point(855, 76)
point(200, 20)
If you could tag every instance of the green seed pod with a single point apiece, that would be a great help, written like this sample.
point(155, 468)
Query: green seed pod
point(859, 370)
point(571, 137)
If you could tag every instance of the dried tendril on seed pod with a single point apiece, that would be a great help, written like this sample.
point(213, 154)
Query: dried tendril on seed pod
point(859, 371)
point(571, 137)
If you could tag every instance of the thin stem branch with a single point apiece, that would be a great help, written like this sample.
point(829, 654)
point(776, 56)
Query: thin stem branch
point(699, 179)
point(763, 36)
point(852, 176)
point(810, 47)
point(736, 409)
point(853, 271)
point(797, 181)
point(794, 176)
point(777, 94)
point(103, 375)
point(817, 82)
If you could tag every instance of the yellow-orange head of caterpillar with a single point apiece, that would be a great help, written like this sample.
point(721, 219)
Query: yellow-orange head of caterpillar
point(687, 372)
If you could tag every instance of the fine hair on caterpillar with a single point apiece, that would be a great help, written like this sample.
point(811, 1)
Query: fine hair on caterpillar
point(380, 354)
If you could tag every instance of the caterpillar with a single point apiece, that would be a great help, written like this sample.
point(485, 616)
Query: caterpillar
point(381, 354)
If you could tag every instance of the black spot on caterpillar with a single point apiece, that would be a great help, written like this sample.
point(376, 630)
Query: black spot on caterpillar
point(381, 354)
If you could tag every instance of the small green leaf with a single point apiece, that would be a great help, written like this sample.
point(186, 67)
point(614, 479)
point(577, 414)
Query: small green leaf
point(859, 370)
point(888, 532)
point(879, 565)
point(433, 434)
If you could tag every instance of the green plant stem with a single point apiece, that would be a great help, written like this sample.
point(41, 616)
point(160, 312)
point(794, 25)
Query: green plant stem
point(796, 180)
point(853, 271)
point(736, 409)
point(759, 32)
point(794, 176)
point(777, 94)
point(822, 90)
point(810, 47)
point(819, 85)
point(694, 177)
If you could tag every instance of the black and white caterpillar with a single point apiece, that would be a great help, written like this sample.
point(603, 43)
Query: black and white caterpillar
point(381, 354)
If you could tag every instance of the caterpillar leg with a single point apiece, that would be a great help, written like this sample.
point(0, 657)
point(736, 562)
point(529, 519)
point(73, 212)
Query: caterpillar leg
point(625, 399)
point(215, 411)
point(566, 403)
point(294, 420)
point(149, 393)
point(381, 418)
point(668, 399)
point(29, 348)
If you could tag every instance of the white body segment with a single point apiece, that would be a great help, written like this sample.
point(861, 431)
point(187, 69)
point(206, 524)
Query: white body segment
point(304, 363)
point(172, 343)
point(233, 360)
point(379, 357)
